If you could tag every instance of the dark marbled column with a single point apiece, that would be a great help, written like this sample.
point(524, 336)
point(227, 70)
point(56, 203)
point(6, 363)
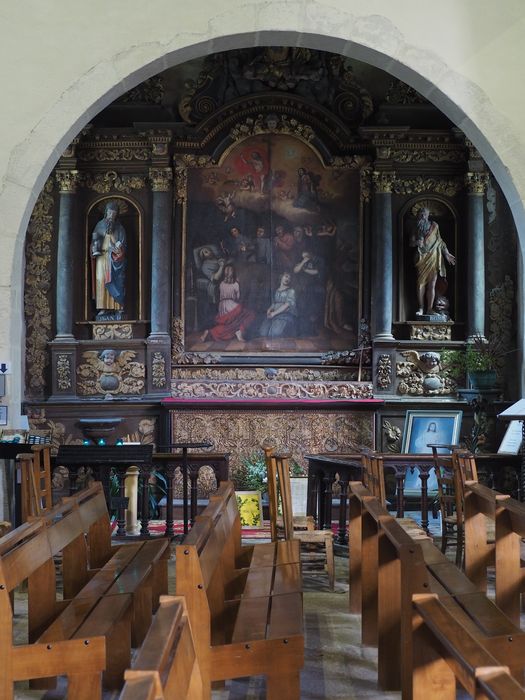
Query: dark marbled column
point(476, 184)
point(382, 259)
point(161, 183)
point(67, 180)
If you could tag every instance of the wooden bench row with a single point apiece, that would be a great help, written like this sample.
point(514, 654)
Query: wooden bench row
point(244, 602)
point(387, 569)
point(166, 665)
point(109, 594)
point(508, 515)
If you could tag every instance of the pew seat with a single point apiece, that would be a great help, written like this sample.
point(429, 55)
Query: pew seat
point(86, 635)
point(244, 603)
point(388, 567)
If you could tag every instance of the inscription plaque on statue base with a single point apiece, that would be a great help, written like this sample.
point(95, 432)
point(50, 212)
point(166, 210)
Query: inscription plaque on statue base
point(115, 330)
point(431, 327)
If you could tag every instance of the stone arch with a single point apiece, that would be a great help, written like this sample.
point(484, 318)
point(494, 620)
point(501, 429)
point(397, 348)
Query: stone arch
point(375, 39)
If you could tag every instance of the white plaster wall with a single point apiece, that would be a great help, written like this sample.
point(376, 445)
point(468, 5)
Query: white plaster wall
point(64, 60)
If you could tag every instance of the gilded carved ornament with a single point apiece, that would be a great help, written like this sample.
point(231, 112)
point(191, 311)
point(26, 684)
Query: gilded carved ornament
point(354, 162)
point(178, 354)
point(384, 371)
point(421, 375)
point(416, 185)
point(429, 331)
point(110, 372)
point(112, 331)
point(63, 371)
point(383, 181)
point(476, 183)
point(160, 179)
point(158, 370)
point(38, 283)
point(365, 183)
point(67, 180)
point(103, 150)
point(241, 433)
point(159, 140)
point(392, 435)
point(261, 374)
point(103, 183)
point(115, 154)
point(189, 389)
point(181, 164)
point(422, 155)
point(272, 124)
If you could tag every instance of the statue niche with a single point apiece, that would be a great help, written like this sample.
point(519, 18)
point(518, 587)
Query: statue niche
point(114, 285)
point(427, 276)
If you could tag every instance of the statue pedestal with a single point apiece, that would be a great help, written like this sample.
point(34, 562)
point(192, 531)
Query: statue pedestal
point(431, 327)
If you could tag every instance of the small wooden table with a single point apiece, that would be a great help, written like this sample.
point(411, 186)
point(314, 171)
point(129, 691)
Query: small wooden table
point(323, 468)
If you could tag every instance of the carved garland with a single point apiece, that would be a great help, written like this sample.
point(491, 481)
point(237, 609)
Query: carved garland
point(422, 155)
point(189, 389)
point(37, 302)
point(111, 180)
point(415, 185)
point(272, 124)
point(113, 152)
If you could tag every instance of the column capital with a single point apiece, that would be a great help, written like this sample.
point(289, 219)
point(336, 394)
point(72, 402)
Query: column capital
point(67, 181)
point(476, 183)
point(161, 179)
point(383, 181)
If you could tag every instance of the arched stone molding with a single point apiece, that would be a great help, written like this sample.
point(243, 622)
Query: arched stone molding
point(126, 47)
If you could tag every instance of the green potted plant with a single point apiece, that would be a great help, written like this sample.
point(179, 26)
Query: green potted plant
point(478, 362)
point(250, 478)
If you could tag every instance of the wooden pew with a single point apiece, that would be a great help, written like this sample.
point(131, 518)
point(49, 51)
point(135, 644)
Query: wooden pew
point(445, 653)
point(35, 488)
point(391, 567)
point(111, 602)
point(166, 665)
point(245, 622)
point(482, 503)
point(83, 659)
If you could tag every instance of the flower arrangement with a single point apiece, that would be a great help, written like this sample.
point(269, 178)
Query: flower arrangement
point(251, 474)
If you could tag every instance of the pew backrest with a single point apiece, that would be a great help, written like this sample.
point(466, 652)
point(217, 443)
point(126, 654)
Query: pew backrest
point(166, 665)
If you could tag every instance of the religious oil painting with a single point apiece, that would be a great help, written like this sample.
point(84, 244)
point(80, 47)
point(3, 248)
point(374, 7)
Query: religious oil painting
point(424, 428)
point(272, 251)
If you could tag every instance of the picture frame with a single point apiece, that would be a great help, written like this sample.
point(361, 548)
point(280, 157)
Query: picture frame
point(3, 415)
point(258, 229)
point(249, 504)
point(430, 427)
point(14, 435)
